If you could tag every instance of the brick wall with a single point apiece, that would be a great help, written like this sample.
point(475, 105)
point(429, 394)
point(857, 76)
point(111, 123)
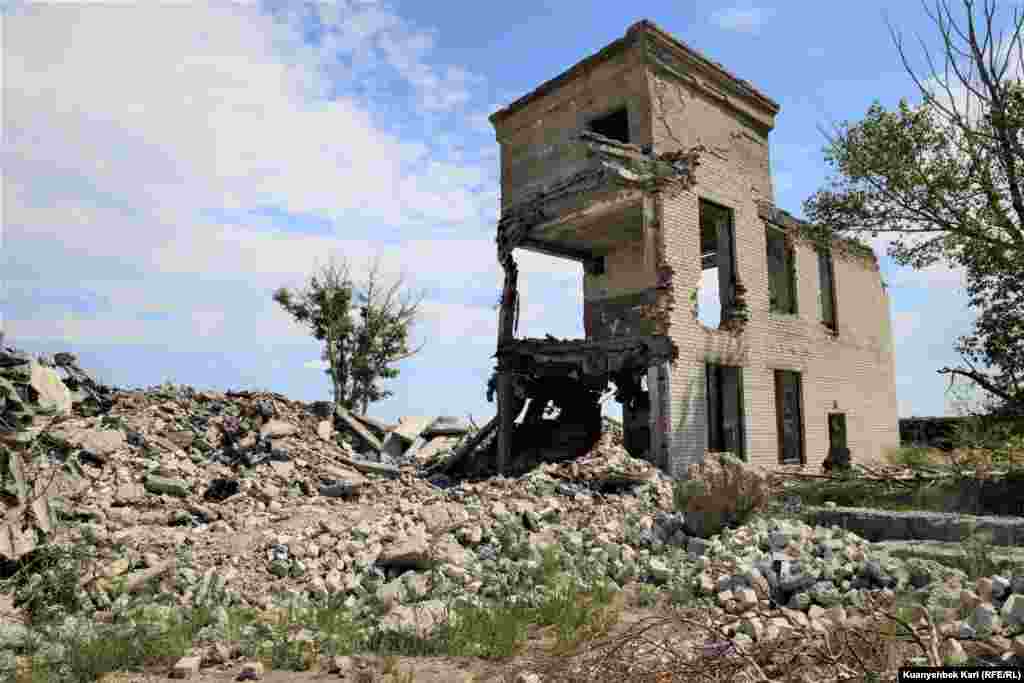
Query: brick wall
point(852, 373)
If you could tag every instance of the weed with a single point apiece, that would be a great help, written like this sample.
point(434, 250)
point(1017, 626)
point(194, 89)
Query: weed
point(976, 558)
point(647, 595)
point(45, 584)
point(722, 492)
point(78, 651)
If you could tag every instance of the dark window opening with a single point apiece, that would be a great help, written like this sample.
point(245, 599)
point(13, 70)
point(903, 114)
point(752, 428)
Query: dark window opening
point(781, 274)
point(614, 125)
point(836, 431)
point(725, 409)
point(717, 263)
point(789, 417)
point(827, 290)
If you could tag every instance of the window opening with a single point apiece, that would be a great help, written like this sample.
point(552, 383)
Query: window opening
point(789, 417)
point(725, 409)
point(826, 290)
point(781, 275)
point(614, 125)
point(717, 281)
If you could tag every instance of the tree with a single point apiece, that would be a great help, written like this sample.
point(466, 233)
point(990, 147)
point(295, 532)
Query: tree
point(359, 349)
point(947, 176)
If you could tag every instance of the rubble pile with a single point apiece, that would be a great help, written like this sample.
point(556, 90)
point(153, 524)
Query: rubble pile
point(249, 499)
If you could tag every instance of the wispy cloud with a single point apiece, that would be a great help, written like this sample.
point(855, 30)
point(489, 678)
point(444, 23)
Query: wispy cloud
point(741, 20)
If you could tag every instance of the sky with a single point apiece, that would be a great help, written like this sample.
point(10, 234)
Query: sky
point(167, 166)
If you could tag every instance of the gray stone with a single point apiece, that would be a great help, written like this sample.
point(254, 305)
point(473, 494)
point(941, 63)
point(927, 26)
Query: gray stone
point(793, 578)
point(697, 547)
point(339, 488)
point(1013, 610)
point(965, 631)
point(984, 618)
point(777, 540)
point(799, 601)
point(1000, 587)
point(703, 524)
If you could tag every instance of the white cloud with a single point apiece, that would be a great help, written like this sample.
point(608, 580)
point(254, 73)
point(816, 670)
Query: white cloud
point(108, 179)
point(741, 20)
point(189, 121)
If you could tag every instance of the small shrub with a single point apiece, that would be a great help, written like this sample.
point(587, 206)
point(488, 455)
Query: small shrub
point(914, 457)
point(46, 582)
point(976, 557)
point(647, 595)
point(721, 492)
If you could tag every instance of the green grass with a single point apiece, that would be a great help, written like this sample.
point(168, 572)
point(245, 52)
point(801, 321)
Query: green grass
point(142, 638)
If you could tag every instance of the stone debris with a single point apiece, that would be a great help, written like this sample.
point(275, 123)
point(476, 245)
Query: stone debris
point(248, 499)
point(186, 667)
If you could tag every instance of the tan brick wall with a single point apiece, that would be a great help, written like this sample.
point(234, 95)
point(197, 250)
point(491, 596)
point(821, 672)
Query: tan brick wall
point(685, 114)
point(625, 272)
point(854, 371)
point(528, 137)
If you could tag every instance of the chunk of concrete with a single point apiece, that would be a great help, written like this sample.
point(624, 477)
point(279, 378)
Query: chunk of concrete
point(446, 425)
point(408, 428)
point(277, 428)
point(186, 667)
point(54, 397)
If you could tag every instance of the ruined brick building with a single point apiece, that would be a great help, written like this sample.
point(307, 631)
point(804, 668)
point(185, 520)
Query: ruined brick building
point(649, 164)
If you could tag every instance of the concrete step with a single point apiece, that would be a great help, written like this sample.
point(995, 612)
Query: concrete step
point(944, 552)
point(883, 525)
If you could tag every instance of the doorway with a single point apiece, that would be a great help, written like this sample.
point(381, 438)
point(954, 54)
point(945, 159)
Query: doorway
point(789, 417)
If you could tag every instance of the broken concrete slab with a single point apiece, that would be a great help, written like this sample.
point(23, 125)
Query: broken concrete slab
point(446, 425)
point(325, 430)
point(408, 428)
point(276, 428)
point(53, 397)
point(361, 431)
point(99, 442)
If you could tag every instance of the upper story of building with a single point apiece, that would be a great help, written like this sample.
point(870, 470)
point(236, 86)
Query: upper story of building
point(647, 90)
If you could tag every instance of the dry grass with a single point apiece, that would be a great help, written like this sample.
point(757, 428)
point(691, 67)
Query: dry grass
point(695, 645)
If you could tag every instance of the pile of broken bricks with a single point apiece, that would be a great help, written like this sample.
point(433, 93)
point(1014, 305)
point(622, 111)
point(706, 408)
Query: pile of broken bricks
point(240, 498)
point(246, 496)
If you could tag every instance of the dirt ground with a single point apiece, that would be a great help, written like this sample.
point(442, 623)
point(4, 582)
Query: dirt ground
point(420, 669)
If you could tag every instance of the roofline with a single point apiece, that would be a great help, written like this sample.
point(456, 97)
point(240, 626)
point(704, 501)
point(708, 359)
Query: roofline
point(633, 33)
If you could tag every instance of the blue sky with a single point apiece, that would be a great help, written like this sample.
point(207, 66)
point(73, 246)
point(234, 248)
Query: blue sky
point(166, 167)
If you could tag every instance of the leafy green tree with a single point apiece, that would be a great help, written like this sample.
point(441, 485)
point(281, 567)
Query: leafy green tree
point(364, 327)
point(947, 176)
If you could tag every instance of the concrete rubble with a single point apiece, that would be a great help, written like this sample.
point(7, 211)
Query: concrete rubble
point(251, 499)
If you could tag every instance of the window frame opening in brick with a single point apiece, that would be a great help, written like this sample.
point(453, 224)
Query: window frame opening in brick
point(781, 260)
point(527, 323)
point(789, 417)
point(613, 125)
point(717, 264)
point(726, 426)
point(827, 291)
